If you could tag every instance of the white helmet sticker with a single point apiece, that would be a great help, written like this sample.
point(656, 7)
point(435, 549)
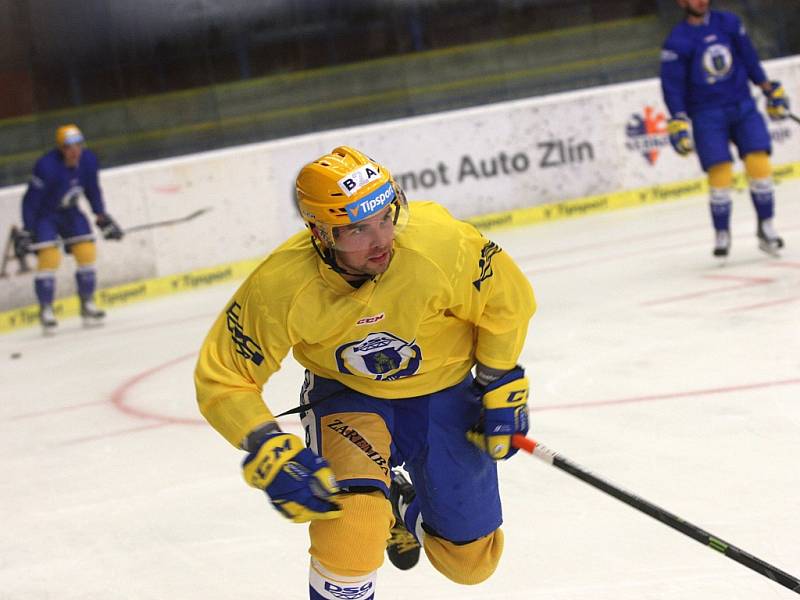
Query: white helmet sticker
point(354, 181)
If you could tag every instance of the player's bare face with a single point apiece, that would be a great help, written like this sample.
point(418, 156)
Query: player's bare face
point(365, 248)
point(72, 154)
point(695, 9)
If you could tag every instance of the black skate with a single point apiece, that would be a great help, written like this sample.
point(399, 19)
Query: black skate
point(91, 315)
point(768, 240)
point(403, 548)
point(48, 319)
point(722, 243)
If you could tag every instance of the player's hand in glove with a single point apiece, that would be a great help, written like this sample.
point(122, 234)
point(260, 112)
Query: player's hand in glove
point(505, 412)
point(108, 227)
point(777, 102)
point(679, 134)
point(22, 242)
point(298, 482)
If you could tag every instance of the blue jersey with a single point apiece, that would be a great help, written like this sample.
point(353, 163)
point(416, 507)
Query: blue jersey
point(708, 65)
point(54, 188)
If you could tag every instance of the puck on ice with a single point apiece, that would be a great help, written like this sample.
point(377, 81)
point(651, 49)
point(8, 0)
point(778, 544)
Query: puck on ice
point(16, 355)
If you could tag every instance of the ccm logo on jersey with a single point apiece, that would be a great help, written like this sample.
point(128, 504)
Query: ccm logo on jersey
point(352, 182)
point(370, 320)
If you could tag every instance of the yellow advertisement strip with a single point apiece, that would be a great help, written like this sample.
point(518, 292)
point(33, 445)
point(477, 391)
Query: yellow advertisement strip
point(148, 289)
point(605, 202)
point(129, 293)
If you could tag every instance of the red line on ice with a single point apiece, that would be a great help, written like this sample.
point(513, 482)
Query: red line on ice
point(671, 396)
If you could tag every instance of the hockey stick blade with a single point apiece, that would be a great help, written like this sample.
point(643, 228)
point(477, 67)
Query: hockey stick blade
point(693, 531)
point(189, 217)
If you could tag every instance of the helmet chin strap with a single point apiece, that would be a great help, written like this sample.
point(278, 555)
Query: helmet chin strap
point(326, 254)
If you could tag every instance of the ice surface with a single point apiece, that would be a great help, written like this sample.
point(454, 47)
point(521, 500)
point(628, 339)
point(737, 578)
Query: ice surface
point(651, 365)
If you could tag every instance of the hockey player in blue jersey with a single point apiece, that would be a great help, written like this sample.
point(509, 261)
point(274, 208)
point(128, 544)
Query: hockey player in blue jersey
point(707, 63)
point(51, 217)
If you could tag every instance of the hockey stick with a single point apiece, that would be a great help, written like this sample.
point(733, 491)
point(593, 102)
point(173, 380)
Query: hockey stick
point(693, 531)
point(135, 228)
point(794, 118)
point(188, 217)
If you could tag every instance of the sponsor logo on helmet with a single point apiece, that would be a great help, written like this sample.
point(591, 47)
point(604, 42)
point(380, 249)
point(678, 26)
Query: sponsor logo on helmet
point(371, 204)
point(354, 181)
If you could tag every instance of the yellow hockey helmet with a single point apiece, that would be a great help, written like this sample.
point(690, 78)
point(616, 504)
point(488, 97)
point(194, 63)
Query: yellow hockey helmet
point(343, 188)
point(66, 135)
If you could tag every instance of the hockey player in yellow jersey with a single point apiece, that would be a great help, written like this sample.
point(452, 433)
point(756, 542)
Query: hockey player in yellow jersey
point(389, 306)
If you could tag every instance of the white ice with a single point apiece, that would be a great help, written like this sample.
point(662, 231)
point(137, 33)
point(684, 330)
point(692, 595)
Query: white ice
point(651, 365)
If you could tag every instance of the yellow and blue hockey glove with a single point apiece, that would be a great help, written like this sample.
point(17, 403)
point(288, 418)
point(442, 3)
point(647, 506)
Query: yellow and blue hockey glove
point(679, 134)
point(298, 482)
point(505, 412)
point(777, 102)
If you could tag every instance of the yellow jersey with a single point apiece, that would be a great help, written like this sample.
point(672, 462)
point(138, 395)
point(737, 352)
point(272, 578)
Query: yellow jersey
point(449, 297)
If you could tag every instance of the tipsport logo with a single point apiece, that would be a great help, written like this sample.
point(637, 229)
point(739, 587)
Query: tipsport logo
point(647, 133)
point(371, 204)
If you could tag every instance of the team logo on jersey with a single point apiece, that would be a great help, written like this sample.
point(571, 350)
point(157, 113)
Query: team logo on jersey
point(647, 133)
point(380, 356)
point(245, 345)
point(485, 263)
point(717, 63)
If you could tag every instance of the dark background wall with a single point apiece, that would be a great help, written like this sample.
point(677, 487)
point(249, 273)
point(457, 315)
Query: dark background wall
point(155, 78)
point(55, 54)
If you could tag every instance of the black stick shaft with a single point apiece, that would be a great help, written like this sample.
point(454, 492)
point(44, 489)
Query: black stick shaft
point(794, 118)
point(666, 517)
point(145, 226)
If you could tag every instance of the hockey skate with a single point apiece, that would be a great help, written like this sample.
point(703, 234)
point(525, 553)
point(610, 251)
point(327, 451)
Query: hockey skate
point(722, 243)
point(403, 548)
point(48, 319)
point(768, 240)
point(91, 315)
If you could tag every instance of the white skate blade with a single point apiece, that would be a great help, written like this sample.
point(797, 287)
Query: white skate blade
point(92, 322)
point(770, 248)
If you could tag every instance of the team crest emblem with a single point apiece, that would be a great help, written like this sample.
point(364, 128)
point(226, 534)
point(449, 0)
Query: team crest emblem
point(380, 356)
point(717, 62)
